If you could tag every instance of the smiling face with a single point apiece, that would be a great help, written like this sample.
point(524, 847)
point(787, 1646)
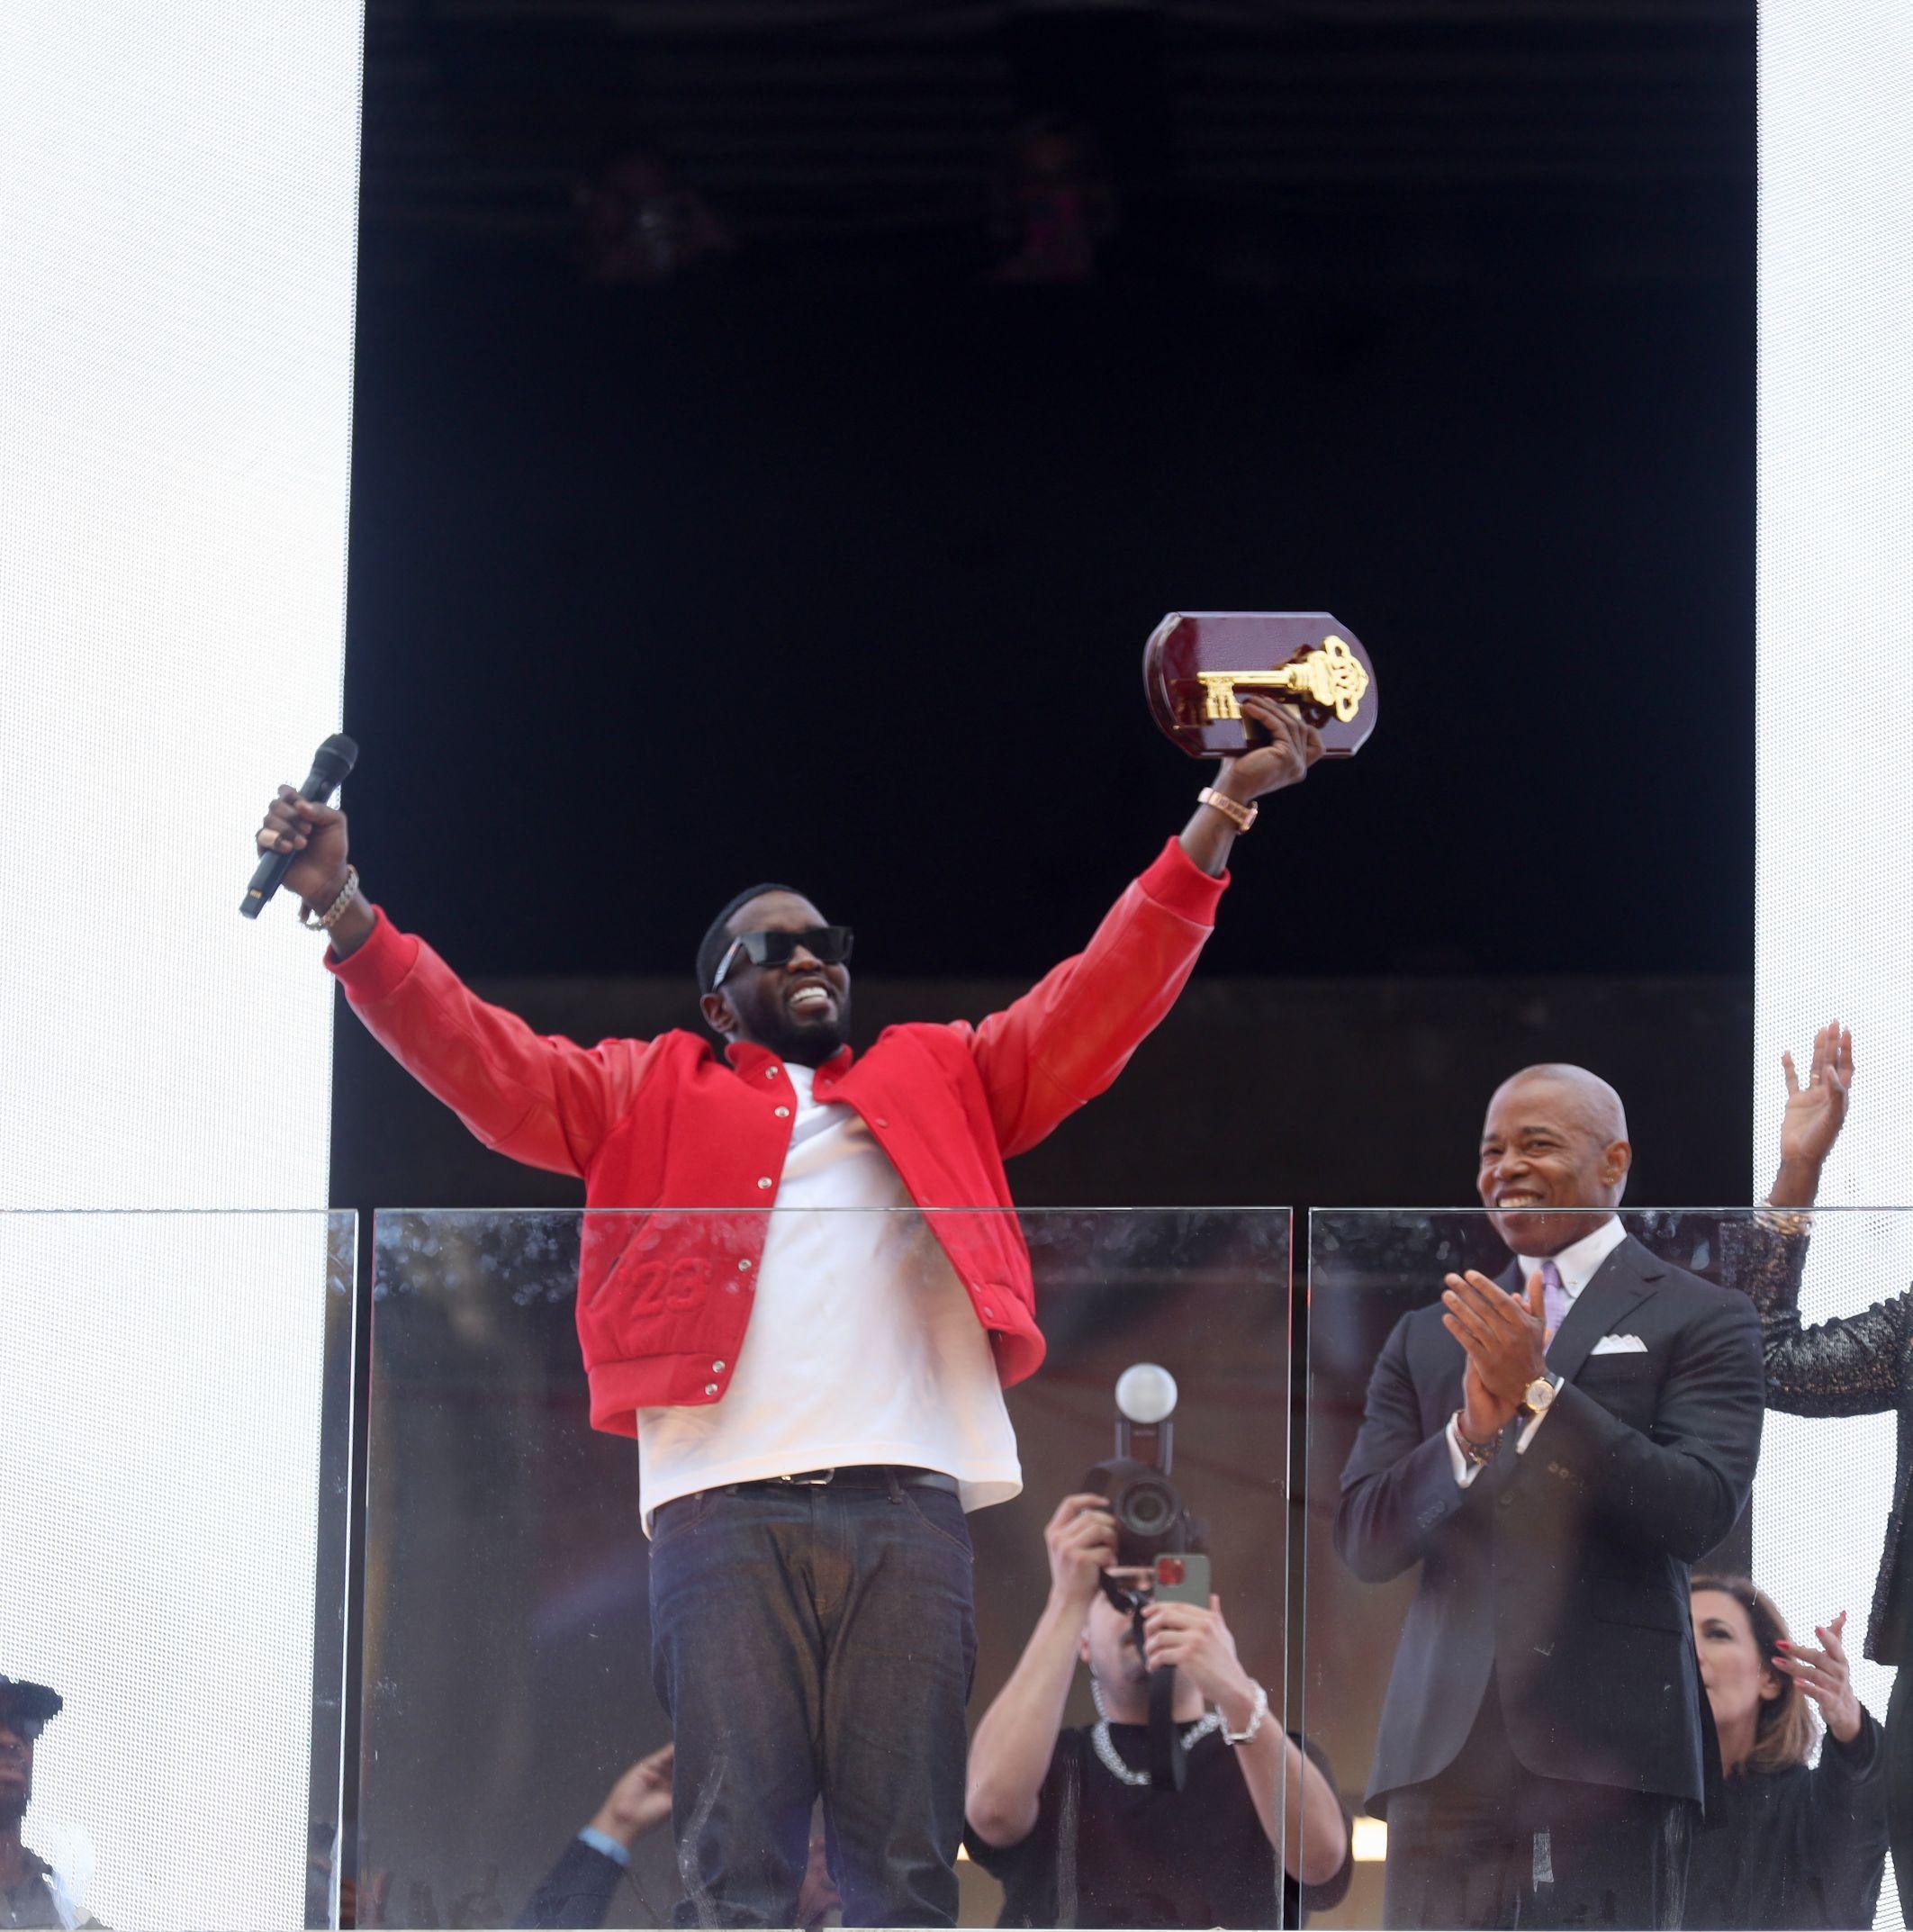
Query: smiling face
point(1738, 1679)
point(800, 1010)
point(1554, 1137)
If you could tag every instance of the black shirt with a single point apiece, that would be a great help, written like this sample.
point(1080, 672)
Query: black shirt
point(1145, 1857)
point(1797, 1849)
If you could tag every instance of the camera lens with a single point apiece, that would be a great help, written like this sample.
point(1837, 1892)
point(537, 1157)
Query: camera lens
point(1147, 1508)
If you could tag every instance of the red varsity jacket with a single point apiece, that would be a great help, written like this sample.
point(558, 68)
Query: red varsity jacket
point(670, 1127)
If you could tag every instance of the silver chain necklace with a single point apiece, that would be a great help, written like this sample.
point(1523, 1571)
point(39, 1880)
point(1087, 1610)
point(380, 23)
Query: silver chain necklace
point(1106, 1747)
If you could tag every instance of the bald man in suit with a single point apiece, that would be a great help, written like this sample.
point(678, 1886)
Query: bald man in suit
point(1552, 1450)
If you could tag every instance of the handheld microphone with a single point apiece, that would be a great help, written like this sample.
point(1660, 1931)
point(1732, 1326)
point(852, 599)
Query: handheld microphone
point(330, 764)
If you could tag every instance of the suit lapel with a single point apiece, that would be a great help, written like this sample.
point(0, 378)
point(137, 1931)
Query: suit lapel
point(1628, 1276)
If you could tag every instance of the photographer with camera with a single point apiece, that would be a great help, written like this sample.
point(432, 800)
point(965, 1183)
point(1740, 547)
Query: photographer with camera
point(1072, 1821)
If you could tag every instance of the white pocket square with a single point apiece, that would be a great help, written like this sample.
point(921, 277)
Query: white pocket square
point(1619, 1345)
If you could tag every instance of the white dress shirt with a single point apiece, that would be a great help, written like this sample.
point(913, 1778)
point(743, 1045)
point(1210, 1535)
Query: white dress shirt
point(1576, 1264)
point(863, 1346)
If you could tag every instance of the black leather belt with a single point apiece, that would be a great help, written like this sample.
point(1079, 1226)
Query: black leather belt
point(859, 1475)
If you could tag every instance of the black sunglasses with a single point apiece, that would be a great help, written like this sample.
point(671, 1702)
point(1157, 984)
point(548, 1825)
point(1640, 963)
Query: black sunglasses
point(828, 945)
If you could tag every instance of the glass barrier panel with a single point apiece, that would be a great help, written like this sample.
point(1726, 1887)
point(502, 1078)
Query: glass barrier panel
point(1529, 1432)
point(176, 1469)
point(550, 1604)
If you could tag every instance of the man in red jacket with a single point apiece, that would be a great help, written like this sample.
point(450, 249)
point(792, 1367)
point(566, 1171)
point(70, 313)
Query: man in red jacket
point(816, 1394)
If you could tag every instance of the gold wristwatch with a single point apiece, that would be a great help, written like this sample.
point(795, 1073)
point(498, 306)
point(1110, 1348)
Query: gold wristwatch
point(1538, 1397)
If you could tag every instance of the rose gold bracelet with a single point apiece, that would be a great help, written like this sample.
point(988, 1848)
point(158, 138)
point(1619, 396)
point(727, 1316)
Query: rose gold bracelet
point(1240, 816)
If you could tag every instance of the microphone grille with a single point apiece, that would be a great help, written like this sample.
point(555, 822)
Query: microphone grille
point(338, 753)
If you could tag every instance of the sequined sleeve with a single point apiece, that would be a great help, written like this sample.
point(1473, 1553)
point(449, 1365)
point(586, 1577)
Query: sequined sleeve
point(1851, 1364)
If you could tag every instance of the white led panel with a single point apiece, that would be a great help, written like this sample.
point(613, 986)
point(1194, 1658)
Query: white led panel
point(179, 188)
point(1834, 909)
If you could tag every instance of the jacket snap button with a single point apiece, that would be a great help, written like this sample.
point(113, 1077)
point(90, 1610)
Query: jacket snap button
point(990, 1314)
point(783, 1113)
point(763, 1180)
point(716, 1369)
point(744, 1267)
point(882, 1123)
point(710, 1388)
point(769, 1073)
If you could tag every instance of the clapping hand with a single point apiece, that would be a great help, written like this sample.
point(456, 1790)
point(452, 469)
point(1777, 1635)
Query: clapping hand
point(1505, 1337)
point(1824, 1676)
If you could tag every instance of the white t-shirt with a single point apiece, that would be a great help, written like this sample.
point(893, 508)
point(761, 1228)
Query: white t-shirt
point(863, 1346)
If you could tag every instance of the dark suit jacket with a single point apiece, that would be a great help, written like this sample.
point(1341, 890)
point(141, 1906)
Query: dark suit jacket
point(1562, 1571)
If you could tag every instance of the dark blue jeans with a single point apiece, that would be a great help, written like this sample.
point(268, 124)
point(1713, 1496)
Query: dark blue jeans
point(815, 1642)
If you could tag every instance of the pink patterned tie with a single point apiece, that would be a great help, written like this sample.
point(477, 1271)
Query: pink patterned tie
point(1554, 1298)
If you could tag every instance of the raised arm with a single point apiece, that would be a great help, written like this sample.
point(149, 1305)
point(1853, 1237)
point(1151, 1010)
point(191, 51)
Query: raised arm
point(1852, 1365)
point(539, 1098)
point(1067, 1038)
point(1009, 1756)
point(1848, 1365)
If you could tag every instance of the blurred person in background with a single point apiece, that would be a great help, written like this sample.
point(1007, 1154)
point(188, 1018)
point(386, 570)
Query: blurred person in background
point(1069, 1822)
point(1055, 206)
point(1787, 1843)
point(639, 222)
point(31, 1893)
point(1849, 1364)
point(579, 1889)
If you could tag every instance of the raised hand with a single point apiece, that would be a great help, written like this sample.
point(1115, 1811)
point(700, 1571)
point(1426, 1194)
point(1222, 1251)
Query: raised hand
point(317, 835)
point(1285, 761)
point(1081, 1540)
point(1816, 1111)
point(1199, 1644)
point(640, 1801)
point(1824, 1675)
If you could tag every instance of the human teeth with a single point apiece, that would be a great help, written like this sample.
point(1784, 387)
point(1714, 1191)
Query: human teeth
point(810, 996)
